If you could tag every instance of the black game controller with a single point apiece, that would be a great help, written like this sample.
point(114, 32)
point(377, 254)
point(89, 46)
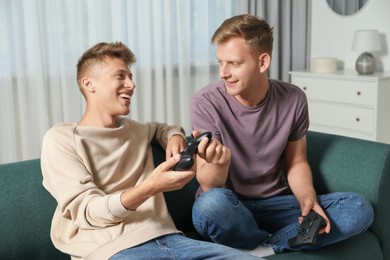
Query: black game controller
point(307, 231)
point(186, 160)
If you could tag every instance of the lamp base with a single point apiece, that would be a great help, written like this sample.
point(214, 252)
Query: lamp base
point(365, 64)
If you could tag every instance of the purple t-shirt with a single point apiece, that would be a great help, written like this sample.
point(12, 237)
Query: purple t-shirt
point(257, 136)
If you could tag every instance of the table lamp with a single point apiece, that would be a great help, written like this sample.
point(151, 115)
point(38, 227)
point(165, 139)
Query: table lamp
point(366, 41)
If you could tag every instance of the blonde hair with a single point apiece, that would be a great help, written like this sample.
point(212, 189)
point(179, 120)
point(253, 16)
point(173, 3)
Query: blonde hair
point(255, 31)
point(101, 51)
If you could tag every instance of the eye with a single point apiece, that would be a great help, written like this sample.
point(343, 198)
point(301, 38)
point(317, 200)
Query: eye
point(120, 76)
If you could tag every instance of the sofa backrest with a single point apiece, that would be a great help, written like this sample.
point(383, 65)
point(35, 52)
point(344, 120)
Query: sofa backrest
point(26, 210)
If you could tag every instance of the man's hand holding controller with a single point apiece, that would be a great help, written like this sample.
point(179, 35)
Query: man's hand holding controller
point(187, 155)
point(213, 161)
point(213, 152)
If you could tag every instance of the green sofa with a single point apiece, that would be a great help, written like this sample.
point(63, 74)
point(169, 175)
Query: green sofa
point(338, 164)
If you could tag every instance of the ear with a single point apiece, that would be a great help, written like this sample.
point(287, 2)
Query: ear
point(264, 62)
point(87, 85)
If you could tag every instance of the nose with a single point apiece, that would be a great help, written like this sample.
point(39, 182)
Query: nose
point(130, 84)
point(224, 71)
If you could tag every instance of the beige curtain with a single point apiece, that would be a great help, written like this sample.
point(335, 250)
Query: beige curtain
point(41, 41)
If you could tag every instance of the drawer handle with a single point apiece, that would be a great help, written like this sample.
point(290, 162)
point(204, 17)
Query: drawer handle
point(357, 119)
point(359, 93)
point(304, 88)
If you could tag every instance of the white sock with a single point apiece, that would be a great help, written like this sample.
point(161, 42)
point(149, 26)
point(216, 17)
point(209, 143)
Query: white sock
point(260, 251)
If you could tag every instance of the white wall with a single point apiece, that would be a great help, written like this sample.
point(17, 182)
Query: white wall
point(332, 34)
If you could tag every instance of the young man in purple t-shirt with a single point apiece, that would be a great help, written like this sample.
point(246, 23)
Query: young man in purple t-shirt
point(259, 197)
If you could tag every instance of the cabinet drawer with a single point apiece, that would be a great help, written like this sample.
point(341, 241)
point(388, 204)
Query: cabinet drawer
point(343, 91)
point(353, 118)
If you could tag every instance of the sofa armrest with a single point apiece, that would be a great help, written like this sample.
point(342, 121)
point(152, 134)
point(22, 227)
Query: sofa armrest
point(347, 164)
point(26, 210)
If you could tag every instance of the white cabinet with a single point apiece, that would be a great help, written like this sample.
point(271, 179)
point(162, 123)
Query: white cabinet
point(346, 103)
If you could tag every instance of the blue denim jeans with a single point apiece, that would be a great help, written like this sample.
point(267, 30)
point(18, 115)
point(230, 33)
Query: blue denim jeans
point(176, 246)
point(223, 218)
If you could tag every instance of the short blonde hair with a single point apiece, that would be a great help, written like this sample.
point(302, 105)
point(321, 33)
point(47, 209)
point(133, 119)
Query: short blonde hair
point(255, 31)
point(101, 51)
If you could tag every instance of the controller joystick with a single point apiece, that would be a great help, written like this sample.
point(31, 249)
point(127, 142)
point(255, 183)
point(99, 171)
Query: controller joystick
point(307, 231)
point(187, 159)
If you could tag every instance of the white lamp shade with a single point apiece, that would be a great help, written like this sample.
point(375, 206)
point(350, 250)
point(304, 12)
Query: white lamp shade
point(366, 40)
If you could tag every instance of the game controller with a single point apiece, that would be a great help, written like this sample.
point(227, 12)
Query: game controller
point(307, 231)
point(187, 160)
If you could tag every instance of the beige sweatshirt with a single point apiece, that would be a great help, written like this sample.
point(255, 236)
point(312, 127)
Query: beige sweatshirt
point(85, 169)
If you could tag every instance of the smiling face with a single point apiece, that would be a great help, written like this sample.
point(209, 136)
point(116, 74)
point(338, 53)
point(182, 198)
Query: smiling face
point(243, 71)
point(108, 88)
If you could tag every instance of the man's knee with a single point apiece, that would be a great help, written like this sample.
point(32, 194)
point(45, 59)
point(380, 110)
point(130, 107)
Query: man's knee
point(217, 199)
point(365, 210)
point(359, 210)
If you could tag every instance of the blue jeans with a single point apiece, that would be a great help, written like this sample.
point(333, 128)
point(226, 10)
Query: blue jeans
point(223, 218)
point(176, 246)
